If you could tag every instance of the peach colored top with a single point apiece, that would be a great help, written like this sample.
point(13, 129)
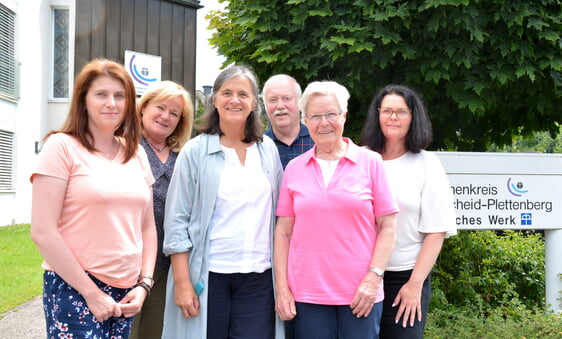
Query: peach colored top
point(103, 208)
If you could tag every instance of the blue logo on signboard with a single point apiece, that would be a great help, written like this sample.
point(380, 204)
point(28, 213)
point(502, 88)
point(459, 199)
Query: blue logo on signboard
point(140, 78)
point(526, 219)
point(516, 188)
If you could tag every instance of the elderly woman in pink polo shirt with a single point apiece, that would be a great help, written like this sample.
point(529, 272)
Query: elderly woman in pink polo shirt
point(336, 227)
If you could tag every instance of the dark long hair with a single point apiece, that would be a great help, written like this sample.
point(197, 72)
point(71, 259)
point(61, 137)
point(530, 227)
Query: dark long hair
point(419, 135)
point(209, 122)
point(76, 123)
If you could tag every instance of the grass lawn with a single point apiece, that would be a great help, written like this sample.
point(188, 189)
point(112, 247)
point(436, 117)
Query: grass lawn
point(21, 275)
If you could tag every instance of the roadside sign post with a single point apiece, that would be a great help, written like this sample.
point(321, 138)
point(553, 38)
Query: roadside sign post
point(520, 191)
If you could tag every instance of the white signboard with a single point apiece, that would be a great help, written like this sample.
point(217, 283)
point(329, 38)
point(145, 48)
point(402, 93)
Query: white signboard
point(144, 69)
point(511, 191)
point(506, 201)
point(505, 190)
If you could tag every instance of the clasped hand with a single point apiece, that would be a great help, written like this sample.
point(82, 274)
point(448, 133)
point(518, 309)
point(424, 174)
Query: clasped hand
point(103, 307)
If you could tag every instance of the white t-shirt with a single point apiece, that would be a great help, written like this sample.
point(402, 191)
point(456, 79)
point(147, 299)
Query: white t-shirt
point(425, 199)
point(239, 236)
point(328, 169)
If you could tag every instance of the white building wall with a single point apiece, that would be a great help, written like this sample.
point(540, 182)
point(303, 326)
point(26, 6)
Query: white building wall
point(34, 114)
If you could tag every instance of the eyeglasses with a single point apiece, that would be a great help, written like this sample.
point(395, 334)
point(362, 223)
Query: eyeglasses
point(401, 113)
point(331, 117)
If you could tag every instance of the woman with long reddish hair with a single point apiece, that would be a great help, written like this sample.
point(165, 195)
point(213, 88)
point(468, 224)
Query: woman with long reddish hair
point(92, 218)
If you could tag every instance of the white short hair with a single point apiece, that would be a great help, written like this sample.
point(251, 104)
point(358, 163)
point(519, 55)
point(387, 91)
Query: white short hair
point(275, 77)
point(324, 88)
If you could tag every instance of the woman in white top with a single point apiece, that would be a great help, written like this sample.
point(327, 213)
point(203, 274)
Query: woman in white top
point(219, 220)
point(399, 128)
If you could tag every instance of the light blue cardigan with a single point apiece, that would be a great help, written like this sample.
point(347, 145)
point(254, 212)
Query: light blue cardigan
point(189, 207)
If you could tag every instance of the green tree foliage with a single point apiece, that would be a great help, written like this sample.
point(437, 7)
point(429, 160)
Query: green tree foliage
point(488, 69)
point(538, 142)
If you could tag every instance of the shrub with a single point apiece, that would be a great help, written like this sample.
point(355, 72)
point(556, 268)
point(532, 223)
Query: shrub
point(483, 270)
point(499, 323)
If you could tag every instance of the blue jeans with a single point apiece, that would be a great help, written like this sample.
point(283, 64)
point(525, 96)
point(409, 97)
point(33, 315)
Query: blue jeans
point(67, 315)
point(315, 321)
point(241, 305)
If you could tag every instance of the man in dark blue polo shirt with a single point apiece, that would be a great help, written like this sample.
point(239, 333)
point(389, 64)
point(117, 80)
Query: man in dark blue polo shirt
point(280, 95)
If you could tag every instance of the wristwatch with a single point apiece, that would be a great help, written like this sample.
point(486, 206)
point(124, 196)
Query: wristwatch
point(378, 271)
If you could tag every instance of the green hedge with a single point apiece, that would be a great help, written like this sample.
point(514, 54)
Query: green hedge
point(490, 284)
point(489, 269)
point(499, 323)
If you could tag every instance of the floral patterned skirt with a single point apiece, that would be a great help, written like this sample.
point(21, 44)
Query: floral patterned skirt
point(67, 315)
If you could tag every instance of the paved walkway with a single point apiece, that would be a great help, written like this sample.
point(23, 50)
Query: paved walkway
point(27, 321)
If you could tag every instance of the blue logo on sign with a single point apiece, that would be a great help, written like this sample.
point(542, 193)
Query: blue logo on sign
point(515, 188)
point(142, 79)
point(526, 219)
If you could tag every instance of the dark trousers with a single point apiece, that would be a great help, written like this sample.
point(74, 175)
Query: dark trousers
point(315, 321)
point(149, 321)
point(241, 305)
point(393, 281)
point(289, 327)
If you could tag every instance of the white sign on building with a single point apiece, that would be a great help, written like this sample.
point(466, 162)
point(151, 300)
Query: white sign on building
point(144, 69)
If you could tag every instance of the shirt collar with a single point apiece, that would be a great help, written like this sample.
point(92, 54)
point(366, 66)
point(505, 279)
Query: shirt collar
point(214, 143)
point(351, 154)
point(303, 132)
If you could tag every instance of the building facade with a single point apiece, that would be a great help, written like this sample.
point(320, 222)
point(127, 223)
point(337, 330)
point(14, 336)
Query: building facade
point(44, 43)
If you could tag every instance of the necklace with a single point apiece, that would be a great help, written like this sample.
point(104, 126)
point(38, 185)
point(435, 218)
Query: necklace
point(156, 148)
point(108, 154)
point(337, 155)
